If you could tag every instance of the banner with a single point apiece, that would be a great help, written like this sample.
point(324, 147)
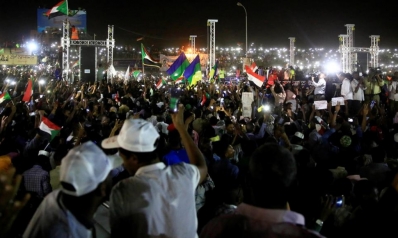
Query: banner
point(8, 59)
point(55, 24)
point(122, 64)
point(302, 83)
point(321, 105)
point(336, 100)
point(14, 51)
point(247, 99)
point(167, 61)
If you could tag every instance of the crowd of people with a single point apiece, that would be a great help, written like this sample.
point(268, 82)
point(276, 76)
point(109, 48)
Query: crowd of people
point(198, 165)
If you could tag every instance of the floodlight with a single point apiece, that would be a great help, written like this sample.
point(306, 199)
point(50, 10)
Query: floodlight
point(32, 46)
point(332, 67)
point(266, 108)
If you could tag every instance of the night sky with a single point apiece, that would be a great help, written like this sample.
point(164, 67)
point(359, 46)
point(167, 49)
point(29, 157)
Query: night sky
point(169, 23)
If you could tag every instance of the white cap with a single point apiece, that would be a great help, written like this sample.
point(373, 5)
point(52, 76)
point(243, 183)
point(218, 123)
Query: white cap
point(299, 135)
point(45, 153)
point(136, 135)
point(159, 104)
point(85, 167)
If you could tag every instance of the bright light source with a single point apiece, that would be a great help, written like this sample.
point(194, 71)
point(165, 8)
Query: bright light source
point(332, 67)
point(12, 82)
point(41, 81)
point(266, 108)
point(32, 46)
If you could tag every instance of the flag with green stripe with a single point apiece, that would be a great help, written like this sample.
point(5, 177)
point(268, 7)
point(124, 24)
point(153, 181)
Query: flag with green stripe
point(49, 127)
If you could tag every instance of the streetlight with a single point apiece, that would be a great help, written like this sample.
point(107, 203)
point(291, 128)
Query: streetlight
point(240, 5)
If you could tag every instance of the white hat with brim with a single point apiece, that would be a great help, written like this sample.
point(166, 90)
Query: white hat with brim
point(136, 135)
point(84, 168)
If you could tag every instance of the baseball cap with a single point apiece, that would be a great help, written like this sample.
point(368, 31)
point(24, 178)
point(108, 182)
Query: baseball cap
point(45, 153)
point(84, 167)
point(345, 141)
point(136, 135)
point(299, 135)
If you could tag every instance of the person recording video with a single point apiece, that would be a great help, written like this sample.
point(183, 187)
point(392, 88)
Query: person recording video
point(373, 83)
point(320, 86)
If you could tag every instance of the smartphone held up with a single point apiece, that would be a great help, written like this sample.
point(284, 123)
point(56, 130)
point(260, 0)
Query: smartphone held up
point(175, 94)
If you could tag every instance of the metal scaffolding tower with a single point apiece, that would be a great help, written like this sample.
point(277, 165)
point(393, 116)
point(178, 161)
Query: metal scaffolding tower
point(110, 44)
point(352, 56)
point(348, 52)
point(292, 48)
point(343, 48)
point(66, 43)
point(374, 50)
point(192, 40)
point(211, 23)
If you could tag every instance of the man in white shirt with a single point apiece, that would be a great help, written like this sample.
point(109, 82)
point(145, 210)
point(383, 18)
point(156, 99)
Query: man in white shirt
point(393, 94)
point(158, 201)
point(357, 87)
point(346, 91)
point(86, 183)
point(320, 86)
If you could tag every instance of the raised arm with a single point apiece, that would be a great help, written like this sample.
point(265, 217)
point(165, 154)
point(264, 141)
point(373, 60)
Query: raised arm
point(195, 156)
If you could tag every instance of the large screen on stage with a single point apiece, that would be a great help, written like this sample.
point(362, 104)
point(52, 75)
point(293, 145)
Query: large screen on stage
point(54, 24)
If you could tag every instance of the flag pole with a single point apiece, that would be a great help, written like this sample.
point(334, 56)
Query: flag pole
point(46, 146)
point(142, 62)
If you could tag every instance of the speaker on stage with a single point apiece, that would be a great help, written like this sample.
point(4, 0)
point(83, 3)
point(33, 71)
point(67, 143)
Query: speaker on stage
point(87, 64)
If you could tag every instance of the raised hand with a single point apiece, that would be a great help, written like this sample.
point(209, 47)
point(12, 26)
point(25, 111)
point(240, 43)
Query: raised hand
point(337, 107)
point(365, 109)
point(178, 118)
point(328, 206)
point(118, 124)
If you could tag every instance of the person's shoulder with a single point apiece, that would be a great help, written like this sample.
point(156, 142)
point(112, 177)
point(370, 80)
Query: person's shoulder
point(126, 191)
point(125, 186)
point(221, 224)
point(234, 168)
point(184, 168)
point(228, 225)
point(48, 218)
point(184, 172)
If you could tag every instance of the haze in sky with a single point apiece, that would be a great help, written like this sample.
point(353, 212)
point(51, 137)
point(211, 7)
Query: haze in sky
point(169, 23)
